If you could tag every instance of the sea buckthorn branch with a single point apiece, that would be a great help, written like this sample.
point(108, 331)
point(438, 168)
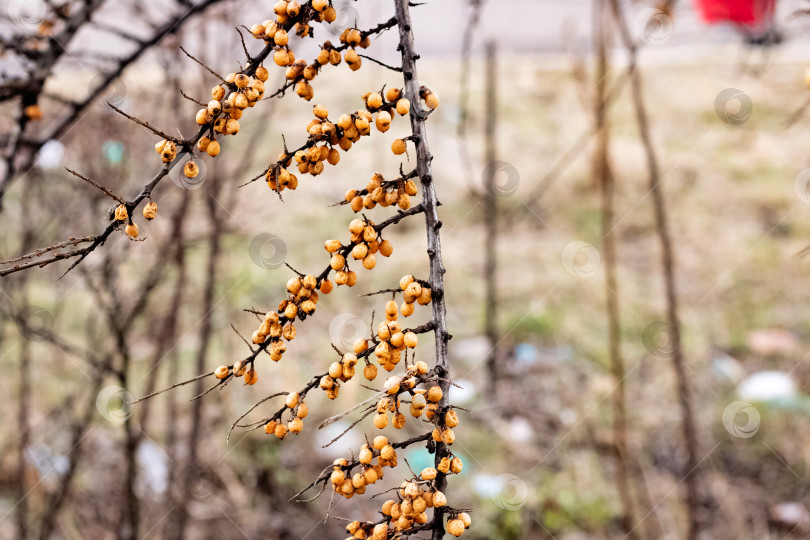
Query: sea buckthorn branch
point(347, 465)
point(298, 72)
point(98, 186)
point(421, 388)
point(237, 86)
point(94, 241)
point(322, 380)
point(41, 251)
point(456, 524)
point(227, 371)
point(409, 512)
point(342, 133)
point(406, 513)
point(301, 303)
point(383, 64)
point(387, 399)
point(414, 500)
point(383, 192)
point(343, 370)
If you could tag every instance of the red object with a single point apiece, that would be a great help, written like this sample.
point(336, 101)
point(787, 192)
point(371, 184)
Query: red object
point(757, 14)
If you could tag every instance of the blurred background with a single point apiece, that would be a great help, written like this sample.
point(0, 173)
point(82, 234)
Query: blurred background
point(725, 105)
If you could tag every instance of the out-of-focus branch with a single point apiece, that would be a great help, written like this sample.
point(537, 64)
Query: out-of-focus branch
point(691, 472)
point(78, 108)
point(603, 176)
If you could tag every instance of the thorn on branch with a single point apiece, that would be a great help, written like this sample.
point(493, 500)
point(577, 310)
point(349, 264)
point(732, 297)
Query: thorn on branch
point(211, 71)
point(300, 274)
point(192, 99)
point(381, 291)
point(147, 126)
point(242, 38)
point(106, 191)
point(383, 64)
point(242, 337)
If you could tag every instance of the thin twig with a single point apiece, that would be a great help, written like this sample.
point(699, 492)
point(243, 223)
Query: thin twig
point(106, 191)
point(211, 71)
point(200, 103)
point(146, 125)
point(234, 425)
point(392, 68)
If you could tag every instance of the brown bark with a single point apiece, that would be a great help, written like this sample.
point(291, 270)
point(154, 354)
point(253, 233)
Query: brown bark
point(605, 180)
point(432, 223)
point(691, 467)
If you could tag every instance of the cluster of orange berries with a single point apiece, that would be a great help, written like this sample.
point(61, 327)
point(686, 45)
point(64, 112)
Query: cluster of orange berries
point(341, 371)
point(413, 292)
point(121, 214)
point(365, 243)
point(414, 498)
point(426, 401)
point(392, 342)
point(446, 435)
point(167, 150)
point(310, 160)
point(382, 192)
point(367, 530)
point(458, 523)
point(301, 301)
point(353, 38)
point(346, 484)
point(279, 179)
point(395, 386)
point(383, 406)
point(223, 113)
point(240, 368)
point(278, 325)
point(299, 73)
point(295, 425)
point(345, 369)
point(325, 135)
point(399, 146)
point(286, 12)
